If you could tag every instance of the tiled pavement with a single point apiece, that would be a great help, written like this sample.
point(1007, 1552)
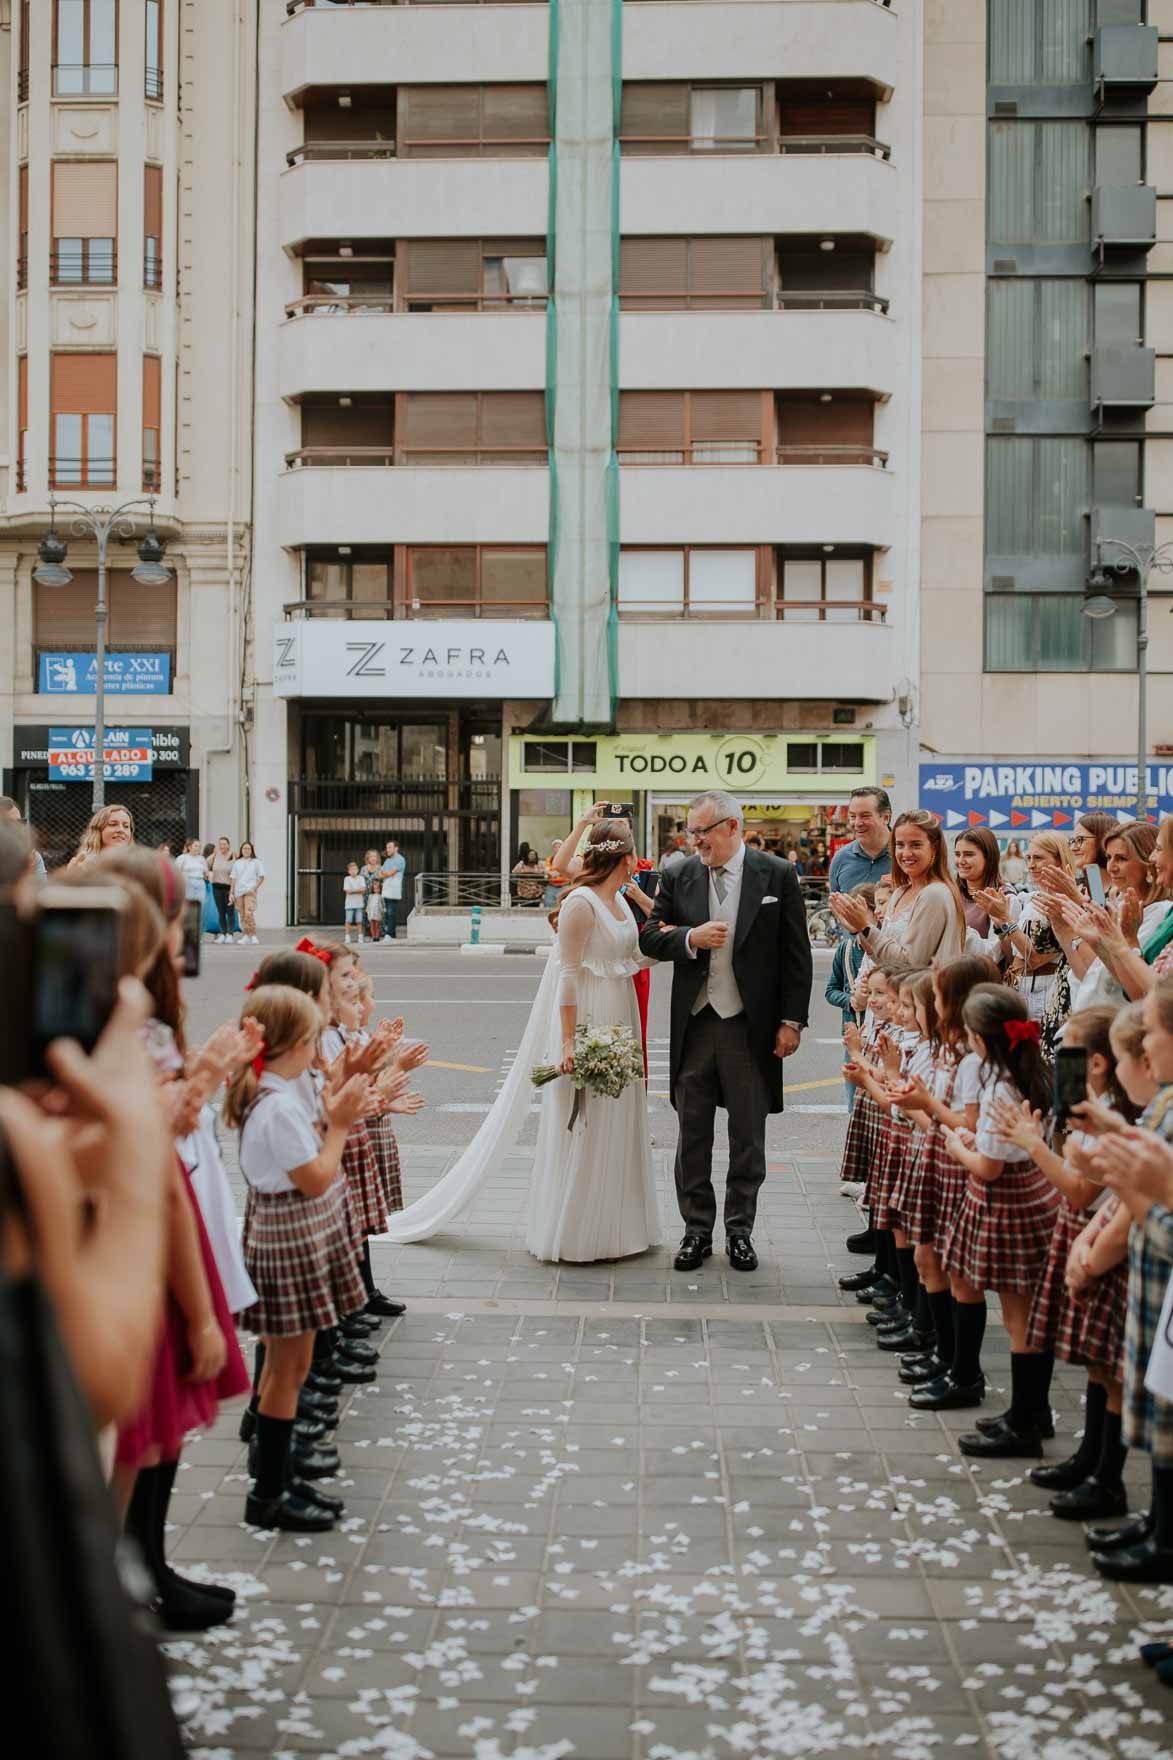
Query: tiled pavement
point(619, 1512)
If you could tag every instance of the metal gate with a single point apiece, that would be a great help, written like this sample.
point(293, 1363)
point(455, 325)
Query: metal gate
point(439, 826)
point(58, 812)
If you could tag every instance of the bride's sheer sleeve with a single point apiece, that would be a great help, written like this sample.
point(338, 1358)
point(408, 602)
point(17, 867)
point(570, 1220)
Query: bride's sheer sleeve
point(575, 921)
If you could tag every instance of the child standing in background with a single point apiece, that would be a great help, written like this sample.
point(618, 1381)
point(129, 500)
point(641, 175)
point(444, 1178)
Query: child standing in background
point(353, 898)
point(375, 910)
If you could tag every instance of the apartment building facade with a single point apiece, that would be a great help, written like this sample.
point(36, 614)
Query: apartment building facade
point(1048, 410)
point(125, 372)
point(587, 420)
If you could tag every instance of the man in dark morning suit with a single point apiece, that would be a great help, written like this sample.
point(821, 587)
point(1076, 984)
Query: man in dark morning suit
point(737, 937)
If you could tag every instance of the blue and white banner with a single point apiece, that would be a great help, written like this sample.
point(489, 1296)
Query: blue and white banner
point(127, 675)
point(130, 754)
point(1050, 794)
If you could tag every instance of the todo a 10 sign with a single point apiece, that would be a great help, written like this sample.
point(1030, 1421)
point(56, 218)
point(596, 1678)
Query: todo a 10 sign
point(129, 754)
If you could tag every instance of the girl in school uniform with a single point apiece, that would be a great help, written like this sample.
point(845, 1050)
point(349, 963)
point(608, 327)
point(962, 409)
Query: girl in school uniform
point(900, 1332)
point(867, 1128)
point(383, 1138)
point(1001, 1233)
point(298, 1245)
point(1061, 1164)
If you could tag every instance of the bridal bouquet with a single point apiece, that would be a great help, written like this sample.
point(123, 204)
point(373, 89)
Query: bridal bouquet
point(606, 1060)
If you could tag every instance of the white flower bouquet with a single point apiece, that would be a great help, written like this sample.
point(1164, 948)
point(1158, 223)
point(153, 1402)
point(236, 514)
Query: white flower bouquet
point(606, 1060)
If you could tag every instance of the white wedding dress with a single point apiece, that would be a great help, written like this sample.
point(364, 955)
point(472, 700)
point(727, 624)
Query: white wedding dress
point(593, 1192)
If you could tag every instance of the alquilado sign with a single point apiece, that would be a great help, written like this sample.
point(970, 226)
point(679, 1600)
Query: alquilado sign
point(684, 762)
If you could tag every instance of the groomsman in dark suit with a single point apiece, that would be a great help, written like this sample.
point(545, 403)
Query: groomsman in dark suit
point(740, 1000)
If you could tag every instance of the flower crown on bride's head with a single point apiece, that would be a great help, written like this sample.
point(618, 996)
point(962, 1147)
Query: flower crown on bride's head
point(609, 846)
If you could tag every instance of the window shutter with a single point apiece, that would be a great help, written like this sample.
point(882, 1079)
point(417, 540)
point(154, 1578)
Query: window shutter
point(847, 116)
point(727, 272)
point(326, 424)
point(518, 114)
point(83, 384)
point(152, 390)
point(22, 392)
point(513, 247)
point(731, 416)
point(846, 421)
point(23, 188)
point(436, 419)
point(443, 265)
point(153, 201)
point(85, 199)
point(63, 617)
point(657, 113)
point(432, 117)
point(141, 617)
point(651, 422)
point(657, 267)
point(512, 419)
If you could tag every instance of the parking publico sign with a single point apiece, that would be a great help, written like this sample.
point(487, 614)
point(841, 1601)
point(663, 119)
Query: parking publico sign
point(1041, 794)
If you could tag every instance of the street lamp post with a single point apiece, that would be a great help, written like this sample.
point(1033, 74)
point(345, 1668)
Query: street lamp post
point(1143, 560)
point(99, 523)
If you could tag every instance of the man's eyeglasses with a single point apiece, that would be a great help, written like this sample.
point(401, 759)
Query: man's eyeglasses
point(700, 831)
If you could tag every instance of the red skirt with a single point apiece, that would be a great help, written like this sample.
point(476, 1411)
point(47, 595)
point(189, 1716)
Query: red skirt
point(1002, 1231)
point(889, 1169)
point(863, 1131)
point(1051, 1291)
point(643, 989)
point(174, 1403)
point(386, 1148)
point(1091, 1329)
point(364, 1187)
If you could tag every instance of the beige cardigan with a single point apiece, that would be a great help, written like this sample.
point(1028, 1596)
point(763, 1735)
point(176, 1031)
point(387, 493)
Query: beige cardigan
point(933, 929)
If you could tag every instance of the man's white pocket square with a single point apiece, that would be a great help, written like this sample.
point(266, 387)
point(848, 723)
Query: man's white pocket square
point(769, 899)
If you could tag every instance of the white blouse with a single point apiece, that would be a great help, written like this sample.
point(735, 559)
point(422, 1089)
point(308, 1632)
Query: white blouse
point(988, 1141)
point(279, 1134)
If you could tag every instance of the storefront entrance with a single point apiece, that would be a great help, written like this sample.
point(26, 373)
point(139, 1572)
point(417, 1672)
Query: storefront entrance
point(165, 809)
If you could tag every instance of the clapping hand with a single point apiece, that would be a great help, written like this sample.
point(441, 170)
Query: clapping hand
point(1096, 1118)
point(412, 1056)
point(853, 1040)
point(408, 1103)
point(961, 1138)
point(1020, 1125)
point(230, 1048)
point(350, 1103)
point(1136, 1162)
point(853, 913)
point(1059, 883)
point(994, 902)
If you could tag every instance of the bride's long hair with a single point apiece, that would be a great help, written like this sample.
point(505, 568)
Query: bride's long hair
point(609, 843)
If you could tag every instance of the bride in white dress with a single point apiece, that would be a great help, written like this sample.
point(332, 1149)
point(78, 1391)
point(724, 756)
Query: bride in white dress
point(593, 1190)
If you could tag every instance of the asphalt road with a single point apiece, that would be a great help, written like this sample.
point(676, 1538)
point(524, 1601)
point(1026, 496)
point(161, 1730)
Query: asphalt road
point(472, 1010)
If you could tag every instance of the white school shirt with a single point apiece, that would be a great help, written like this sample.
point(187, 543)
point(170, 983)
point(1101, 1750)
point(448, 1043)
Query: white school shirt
point(247, 874)
point(988, 1142)
point(968, 1091)
point(279, 1134)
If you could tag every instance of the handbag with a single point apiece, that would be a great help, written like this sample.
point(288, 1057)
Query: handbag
point(83, 1673)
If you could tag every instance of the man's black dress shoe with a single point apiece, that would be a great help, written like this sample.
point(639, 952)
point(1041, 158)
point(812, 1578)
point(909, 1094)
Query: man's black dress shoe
point(1087, 1501)
point(866, 1241)
point(1116, 1539)
point(1006, 1442)
point(742, 1257)
point(294, 1514)
point(947, 1395)
point(692, 1253)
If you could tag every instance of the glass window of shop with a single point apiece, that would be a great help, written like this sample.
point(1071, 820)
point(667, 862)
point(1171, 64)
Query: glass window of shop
point(337, 748)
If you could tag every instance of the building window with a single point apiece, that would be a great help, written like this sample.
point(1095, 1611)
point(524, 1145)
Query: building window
point(817, 755)
point(83, 407)
point(826, 589)
point(726, 274)
point(360, 282)
point(22, 440)
point(1040, 45)
point(817, 118)
point(1037, 339)
point(153, 72)
point(837, 274)
point(471, 428)
point(341, 433)
point(85, 223)
point(559, 756)
point(153, 226)
point(1037, 494)
point(827, 428)
point(690, 582)
point(1038, 178)
point(85, 48)
point(141, 619)
point(474, 121)
point(22, 255)
point(1047, 632)
point(724, 119)
point(152, 421)
point(692, 427)
point(475, 581)
point(357, 585)
point(474, 275)
point(676, 117)
point(22, 65)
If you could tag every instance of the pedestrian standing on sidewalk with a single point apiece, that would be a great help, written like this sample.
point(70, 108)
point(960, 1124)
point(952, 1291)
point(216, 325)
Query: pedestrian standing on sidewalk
point(375, 909)
point(392, 889)
point(220, 874)
point(354, 894)
point(248, 876)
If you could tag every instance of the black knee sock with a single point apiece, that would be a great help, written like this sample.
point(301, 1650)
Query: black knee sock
point(166, 1485)
point(922, 1313)
point(941, 1308)
point(1163, 1507)
point(1021, 1415)
point(324, 1344)
point(258, 1366)
point(906, 1276)
point(364, 1266)
point(969, 1329)
point(142, 1525)
point(1042, 1371)
point(274, 1436)
point(1109, 1468)
point(1088, 1452)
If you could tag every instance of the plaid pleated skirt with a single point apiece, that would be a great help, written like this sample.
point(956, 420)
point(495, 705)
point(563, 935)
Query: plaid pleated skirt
point(1091, 1330)
point(1148, 1421)
point(889, 1168)
point(1002, 1231)
point(908, 1177)
point(364, 1185)
point(386, 1147)
point(863, 1132)
point(1042, 1327)
point(300, 1254)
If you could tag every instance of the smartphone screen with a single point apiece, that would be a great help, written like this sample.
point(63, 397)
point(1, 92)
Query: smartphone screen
point(1094, 875)
point(193, 937)
point(77, 964)
point(1069, 1080)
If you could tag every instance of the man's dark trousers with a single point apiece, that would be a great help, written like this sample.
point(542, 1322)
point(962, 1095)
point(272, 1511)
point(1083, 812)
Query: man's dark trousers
point(718, 1069)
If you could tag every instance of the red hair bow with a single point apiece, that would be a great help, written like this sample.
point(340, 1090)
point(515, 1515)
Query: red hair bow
point(252, 983)
point(1019, 1032)
point(305, 945)
point(259, 1059)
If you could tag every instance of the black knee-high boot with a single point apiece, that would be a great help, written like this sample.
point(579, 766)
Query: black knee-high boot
point(969, 1329)
point(182, 1606)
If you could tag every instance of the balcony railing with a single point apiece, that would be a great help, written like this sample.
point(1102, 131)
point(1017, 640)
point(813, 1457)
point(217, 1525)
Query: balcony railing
point(333, 305)
point(153, 85)
point(699, 452)
point(83, 265)
point(417, 457)
point(830, 611)
point(292, 6)
point(401, 610)
point(830, 299)
point(22, 273)
point(82, 473)
point(335, 457)
point(315, 152)
point(834, 143)
point(762, 609)
point(440, 304)
point(22, 86)
point(648, 145)
point(152, 269)
point(73, 80)
point(831, 455)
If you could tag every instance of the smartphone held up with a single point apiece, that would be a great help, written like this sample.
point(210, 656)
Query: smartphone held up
point(62, 962)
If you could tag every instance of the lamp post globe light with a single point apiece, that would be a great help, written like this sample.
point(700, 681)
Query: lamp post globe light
point(1143, 560)
point(99, 523)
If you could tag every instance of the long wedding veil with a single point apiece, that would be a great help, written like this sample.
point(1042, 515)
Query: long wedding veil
point(499, 1133)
